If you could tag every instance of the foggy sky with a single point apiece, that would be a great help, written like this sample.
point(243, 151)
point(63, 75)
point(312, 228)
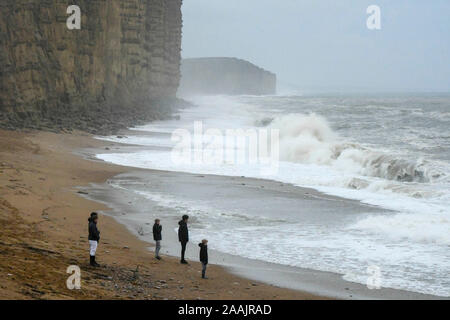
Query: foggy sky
point(325, 44)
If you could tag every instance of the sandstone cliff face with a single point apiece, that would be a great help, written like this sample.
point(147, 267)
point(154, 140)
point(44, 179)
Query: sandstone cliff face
point(119, 68)
point(231, 76)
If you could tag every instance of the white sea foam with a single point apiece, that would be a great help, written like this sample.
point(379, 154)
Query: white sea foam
point(367, 159)
point(309, 139)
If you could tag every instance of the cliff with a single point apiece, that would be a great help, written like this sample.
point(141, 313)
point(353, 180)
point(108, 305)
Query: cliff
point(120, 68)
point(231, 76)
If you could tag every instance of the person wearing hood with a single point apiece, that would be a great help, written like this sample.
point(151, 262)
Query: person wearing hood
point(94, 238)
point(157, 236)
point(183, 236)
point(204, 256)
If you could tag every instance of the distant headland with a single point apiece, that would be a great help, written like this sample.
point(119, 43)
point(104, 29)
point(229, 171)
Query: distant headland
point(230, 76)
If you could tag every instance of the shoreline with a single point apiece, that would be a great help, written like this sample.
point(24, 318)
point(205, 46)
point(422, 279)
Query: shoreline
point(321, 283)
point(44, 217)
point(128, 211)
point(44, 222)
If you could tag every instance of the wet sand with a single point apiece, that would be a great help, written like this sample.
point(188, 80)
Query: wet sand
point(43, 221)
point(246, 193)
point(43, 218)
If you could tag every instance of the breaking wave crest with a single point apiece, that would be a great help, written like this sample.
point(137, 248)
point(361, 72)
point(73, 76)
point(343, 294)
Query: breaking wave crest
point(310, 139)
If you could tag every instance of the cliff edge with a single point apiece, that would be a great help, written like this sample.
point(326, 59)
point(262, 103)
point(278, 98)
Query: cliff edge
point(120, 68)
point(230, 76)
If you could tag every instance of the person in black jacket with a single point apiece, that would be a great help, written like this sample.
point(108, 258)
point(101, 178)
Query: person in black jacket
point(183, 236)
point(204, 256)
point(94, 238)
point(157, 236)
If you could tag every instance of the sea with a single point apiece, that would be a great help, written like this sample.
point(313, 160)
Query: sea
point(391, 151)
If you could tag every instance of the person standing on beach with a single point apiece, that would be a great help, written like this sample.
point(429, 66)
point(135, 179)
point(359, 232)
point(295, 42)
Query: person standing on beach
point(204, 256)
point(94, 238)
point(157, 236)
point(183, 236)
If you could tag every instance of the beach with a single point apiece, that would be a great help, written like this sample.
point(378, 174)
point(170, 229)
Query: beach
point(44, 230)
point(346, 191)
point(315, 169)
point(45, 180)
point(137, 213)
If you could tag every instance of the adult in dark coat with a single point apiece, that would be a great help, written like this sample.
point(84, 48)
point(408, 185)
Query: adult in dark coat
point(94, 238)
point(183, 236)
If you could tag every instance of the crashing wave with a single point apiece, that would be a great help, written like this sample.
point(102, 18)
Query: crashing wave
point(309, 139)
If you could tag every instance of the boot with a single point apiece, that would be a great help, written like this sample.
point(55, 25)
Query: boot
point(93, 262)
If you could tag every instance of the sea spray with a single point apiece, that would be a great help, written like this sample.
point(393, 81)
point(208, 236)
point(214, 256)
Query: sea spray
point(392, 153)
point(309, 139)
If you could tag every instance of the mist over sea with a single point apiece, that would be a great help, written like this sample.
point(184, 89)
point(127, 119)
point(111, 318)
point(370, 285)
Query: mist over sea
point(390, 151)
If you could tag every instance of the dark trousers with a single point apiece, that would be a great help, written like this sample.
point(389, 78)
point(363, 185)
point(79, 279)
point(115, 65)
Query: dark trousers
point(204, 270)
point(183, 249)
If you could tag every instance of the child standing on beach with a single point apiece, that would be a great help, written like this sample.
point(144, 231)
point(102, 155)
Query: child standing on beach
point(94, 238)
point(157, 236)
point(204, 256)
